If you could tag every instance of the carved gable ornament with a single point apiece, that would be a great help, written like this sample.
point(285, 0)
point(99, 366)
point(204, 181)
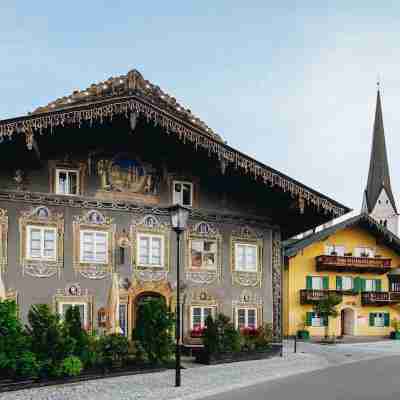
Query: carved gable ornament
point(150, 249)
point(35, 220)
point(246, 257)
point(91, 223)
point(204, 254)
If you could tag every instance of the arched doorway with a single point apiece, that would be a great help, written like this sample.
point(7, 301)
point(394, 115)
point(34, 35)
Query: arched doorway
point(347, 318)
point(140, 300)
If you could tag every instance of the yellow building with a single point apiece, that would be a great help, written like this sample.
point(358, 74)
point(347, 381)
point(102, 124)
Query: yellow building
point(357, 259)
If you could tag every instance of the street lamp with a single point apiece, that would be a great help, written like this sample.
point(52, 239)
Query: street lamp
point(179, 219)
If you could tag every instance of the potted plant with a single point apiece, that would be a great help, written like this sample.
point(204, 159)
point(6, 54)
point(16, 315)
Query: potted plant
point(350, 254)
point(396, 326)
point(364, 254)
point(303, 333)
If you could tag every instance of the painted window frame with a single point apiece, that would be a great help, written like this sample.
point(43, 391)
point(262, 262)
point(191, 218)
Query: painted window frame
point(151, 236)
point(213, 309)
point(73, 303)
point(42, 228)
point(94, 232)
point(332, 247)
point(174, 196)
point(360, 249)
point(320, 318)
point(381, 320)
point(246, 245)
point(67, 171)
point(246, 317)
point(352, 282)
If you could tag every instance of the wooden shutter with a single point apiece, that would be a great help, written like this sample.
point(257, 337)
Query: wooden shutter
point(378, 285)
point(324, 319)
point(309, 282)
point(371, 319)
point(325, 282)
point(338, 283)
point(357, 284)
point(308, 318)
point(386, 318)
point(362, 284)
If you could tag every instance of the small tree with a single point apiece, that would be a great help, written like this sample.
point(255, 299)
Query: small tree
point(155, 333)
point(210, 336)
point(326, 308)
point(73, 329)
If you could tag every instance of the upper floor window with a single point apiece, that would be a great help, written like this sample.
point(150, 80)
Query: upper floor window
point(182, 193)
point(67, 181)
point(332, 250)
point(94, 246)
point(150, 250)
point(317, 282)
point(246, 257)
point(246, 318)
point(364, 252)
point(41, 243)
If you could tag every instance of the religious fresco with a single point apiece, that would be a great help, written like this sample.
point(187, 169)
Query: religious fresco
point(126, 174)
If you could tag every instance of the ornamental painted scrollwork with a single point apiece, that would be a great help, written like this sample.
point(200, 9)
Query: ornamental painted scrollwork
point(3, 239)
point(202, 297)
point(41, 242)
point(150, 249)
point(94, 245)
point(204, 258)
point(246, 257)
point(250, 300)
point(276, 284)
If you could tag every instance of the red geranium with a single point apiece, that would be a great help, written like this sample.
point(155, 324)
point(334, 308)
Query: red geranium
point(197, 331)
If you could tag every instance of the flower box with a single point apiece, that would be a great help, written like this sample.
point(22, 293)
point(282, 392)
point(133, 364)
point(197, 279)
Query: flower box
point(197, 332)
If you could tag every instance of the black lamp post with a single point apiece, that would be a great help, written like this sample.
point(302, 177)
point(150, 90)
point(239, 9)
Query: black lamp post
point(179, 219)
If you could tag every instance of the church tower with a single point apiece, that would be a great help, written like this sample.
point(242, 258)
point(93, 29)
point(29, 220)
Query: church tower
point(378, 199)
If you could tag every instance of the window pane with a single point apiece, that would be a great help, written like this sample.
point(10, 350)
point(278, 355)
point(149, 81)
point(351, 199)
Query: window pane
point(62, 182)
point(196, 317)
point(73, 182)
point(251, 318)
point(250, 257)
point(156, 251)
point(317, 283)
point(347, 283)
point(187, 194)
point(144, 250)
point(36, 234)
point(241, 318)
point(240, 256)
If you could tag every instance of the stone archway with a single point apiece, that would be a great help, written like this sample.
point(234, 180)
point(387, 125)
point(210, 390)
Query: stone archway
point(347, 321)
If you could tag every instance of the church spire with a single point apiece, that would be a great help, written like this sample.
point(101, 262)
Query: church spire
point(378, 176)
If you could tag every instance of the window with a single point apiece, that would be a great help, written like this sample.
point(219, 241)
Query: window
point(82, 307)
point(379, 320)
point(347, 283)
point(335, 250)
point(364, 252)
point(123, 320)
point(182, 193)
point(67, 181)
point(372, 285)
point(246, 257)
point(94, 247)
point(317, 320)
point(246, 318)
point(203, 253)
point(199, 316)
point(317, 282)
point(41, 243)
point(150, 250)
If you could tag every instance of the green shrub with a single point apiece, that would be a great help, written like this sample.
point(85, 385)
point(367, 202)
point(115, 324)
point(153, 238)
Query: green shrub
point(154, 335)
point(113, 349)
point(71, 366)
point(27, 365)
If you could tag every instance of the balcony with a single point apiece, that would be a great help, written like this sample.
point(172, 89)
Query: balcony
point(379, 298)
point(376, 265)
point(310, 296)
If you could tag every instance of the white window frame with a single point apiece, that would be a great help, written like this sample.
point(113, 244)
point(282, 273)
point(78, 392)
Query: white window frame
point(125, 307)
point(202, 317)
point(42, 228)
point(174, 197)
point(373, 285)
point(81, 255)
point(319, 279)
point(340, 250)
point(203, 265)
point(67, 171)
point(74, 303)
point(364, 249)
point(352, 282)
point(150, 236)
point(246, 317)
point(381, 320)
point(319, 319)
point(237, 268)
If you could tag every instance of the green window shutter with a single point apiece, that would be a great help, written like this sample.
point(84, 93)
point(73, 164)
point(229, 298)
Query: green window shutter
point(357, 284)
point(386, 317)
point(362, 284)
point(338, 283)
point(371, 319)
point(309, 282)
point(378, 285)
point(324, 320)
point(325, 282)
point(308, 318)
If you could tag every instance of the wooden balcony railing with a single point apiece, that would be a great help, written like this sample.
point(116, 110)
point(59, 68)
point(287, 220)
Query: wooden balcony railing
point(353, 264)
point(309, 296)
point(379, 298)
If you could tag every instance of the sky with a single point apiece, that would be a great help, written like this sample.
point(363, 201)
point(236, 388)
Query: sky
point(289, 84)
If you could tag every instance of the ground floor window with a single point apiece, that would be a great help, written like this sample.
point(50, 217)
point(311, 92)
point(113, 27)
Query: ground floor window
point(379, 320)
point(123, 318)
point(316, 320)
point(82, 307)
point(246, 318)
point(199, 316)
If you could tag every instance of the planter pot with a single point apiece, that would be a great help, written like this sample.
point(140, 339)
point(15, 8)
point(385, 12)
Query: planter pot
point(303, 334)
point(395, 335)
point(204, 357)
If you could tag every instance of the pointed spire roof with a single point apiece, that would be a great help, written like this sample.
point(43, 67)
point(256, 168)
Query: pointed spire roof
point(378, 176)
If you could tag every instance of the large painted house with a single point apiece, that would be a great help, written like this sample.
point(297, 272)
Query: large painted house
point(86, 183)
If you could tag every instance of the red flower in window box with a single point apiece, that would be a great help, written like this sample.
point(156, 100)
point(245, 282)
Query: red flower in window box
point(249, 331)
point(197, 332)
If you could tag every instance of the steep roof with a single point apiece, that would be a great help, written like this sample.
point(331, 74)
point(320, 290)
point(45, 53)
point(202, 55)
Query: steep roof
point(378, 175)
point(363, 220)
point(125, 85)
